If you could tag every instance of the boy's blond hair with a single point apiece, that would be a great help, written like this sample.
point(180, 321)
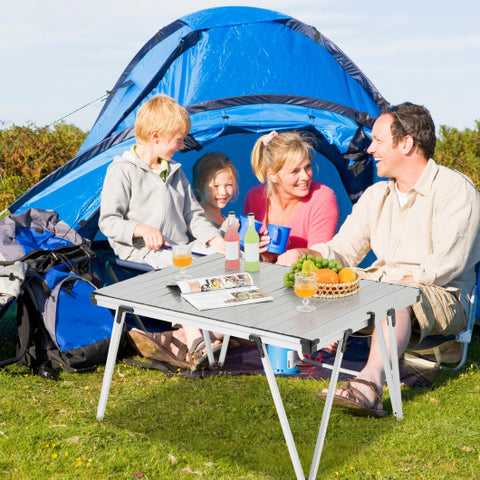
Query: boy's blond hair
point(164, 114)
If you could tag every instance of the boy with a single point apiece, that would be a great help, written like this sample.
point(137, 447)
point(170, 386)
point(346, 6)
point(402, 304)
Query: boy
point(147, 202)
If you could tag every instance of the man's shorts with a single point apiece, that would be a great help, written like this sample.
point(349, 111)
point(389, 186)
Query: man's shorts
point(439, 312)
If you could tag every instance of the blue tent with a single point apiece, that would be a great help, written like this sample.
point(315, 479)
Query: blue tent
point(239, 72)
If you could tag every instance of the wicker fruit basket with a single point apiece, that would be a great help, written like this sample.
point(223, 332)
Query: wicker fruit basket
point(337, 290)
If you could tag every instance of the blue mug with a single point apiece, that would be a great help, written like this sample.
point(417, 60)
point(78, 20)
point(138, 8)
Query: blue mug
point(283, 360)
point(278, 238)
point(244, 225)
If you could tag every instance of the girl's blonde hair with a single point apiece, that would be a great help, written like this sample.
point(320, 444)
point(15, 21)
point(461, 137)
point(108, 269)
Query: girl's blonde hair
point(271, 151)
point(205, 169)
point(164, 114)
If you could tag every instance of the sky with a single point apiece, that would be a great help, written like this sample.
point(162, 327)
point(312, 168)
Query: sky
point(57, 57)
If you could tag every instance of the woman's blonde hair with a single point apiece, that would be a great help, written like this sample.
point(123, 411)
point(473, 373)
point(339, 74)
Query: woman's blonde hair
point(271, 151)
point(164, 114)
point(205, 169)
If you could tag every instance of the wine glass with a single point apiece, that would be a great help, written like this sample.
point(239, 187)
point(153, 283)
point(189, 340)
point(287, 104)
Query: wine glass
point(305, 287)
point(182, 257)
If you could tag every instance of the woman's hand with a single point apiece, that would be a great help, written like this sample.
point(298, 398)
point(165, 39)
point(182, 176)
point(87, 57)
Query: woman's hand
point(264, 241)
point(152, 237)
point(264, 255)
point(269, 257)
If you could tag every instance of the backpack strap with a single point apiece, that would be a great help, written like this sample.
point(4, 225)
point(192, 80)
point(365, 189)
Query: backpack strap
point(24, 331)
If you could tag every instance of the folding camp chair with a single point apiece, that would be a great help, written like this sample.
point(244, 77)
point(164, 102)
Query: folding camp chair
point(433, 343)
point(118, 270)
point(431, 346)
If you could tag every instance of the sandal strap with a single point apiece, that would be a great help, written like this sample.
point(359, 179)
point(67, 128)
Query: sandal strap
point(358, 397)
point(182, 348)
point(197, 345)
point(369, 384)
point(167, 339)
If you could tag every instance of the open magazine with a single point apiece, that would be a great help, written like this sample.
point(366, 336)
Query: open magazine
point(221, 291)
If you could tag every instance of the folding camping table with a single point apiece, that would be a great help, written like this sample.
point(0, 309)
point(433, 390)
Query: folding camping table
point(276, 323)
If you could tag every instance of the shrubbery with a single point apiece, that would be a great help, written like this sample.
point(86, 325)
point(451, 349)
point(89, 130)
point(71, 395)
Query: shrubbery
point(29, 153)
point(460, 150)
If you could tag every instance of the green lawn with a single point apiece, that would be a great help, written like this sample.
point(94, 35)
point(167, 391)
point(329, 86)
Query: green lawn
point(221, 427)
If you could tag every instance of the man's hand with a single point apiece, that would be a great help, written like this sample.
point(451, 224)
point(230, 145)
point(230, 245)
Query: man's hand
point(218, 243)
point(291, 256)
point(152, 237)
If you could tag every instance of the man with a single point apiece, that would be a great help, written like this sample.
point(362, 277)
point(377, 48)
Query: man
point(423, 226)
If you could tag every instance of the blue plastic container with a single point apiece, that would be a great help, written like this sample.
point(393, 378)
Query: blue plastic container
point(278, 238)
point(283, 360)
point(277, 233)
point(244, 225)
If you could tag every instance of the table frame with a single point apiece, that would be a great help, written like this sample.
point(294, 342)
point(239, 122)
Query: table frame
point(120, 298)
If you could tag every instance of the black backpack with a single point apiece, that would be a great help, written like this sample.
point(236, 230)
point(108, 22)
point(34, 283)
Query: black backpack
point(46, 269)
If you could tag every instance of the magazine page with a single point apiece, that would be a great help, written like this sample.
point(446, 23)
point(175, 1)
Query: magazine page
point(235, 280)
point(226, 297)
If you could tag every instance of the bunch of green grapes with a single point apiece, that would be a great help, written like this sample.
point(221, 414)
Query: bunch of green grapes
point(313, 264)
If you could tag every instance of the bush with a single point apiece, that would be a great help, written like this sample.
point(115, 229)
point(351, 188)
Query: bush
point(30, 153)
point(460, 150)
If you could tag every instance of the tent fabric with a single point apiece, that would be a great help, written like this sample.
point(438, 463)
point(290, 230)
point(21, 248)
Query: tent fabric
point(232, 51)
point(239, 72)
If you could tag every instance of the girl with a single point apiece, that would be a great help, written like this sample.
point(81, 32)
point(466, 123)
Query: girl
point(215, 184)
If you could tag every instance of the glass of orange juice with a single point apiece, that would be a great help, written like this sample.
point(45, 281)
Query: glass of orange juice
point(305, 287)
point(181, 257)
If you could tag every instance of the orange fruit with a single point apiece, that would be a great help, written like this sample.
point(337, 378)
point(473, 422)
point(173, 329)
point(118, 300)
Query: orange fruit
point(325, 275)
point(347, 275)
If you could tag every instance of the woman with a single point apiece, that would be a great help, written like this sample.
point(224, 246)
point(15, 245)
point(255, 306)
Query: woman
point(289, 196)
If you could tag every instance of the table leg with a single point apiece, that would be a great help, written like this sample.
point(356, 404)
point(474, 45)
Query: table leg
point(208, 346)
point(327, 408)
point(277, 400)
point(390, 363)
point(394, 388)
point(117, 329)
point(223, 351)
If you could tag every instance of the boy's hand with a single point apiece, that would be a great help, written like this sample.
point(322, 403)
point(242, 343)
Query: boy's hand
point(218, 243)
point(152, 237)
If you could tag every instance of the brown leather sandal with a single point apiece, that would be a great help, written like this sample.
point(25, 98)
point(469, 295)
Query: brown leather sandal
point(356, 401)
point(197, 358)
point(157, 346)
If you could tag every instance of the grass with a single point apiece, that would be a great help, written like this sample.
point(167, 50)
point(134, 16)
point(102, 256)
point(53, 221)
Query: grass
point(222, 427)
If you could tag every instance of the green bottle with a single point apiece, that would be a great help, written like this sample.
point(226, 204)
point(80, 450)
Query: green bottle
point(251, 246)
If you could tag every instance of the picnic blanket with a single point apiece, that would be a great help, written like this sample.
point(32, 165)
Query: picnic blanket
point(245, 360)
